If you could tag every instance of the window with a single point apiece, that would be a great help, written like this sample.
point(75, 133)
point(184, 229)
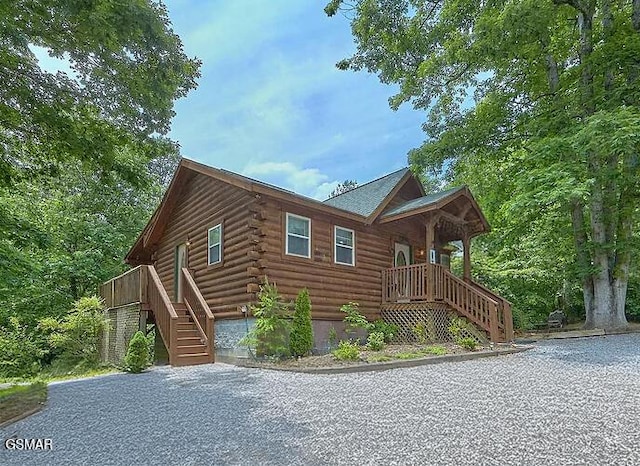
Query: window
point(215, 244)
point(344, 252)
point(298, 236)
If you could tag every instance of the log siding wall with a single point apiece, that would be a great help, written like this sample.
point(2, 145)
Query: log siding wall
point(205, 203)
point(330, 285)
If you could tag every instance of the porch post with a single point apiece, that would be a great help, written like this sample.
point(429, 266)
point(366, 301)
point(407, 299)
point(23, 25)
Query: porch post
point(429, 245)
point(466, 243)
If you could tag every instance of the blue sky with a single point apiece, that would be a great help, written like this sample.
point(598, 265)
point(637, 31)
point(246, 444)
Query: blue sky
point(272, 105)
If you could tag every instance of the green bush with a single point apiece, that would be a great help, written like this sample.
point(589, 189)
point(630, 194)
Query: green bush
point(20, 353)
point(347, 351)
point(468, 343)
point(353, 319)
point(137, 357)
point(301, 337)
point(388, 330)
point(375, 341)
point(270, 333)
point(77, 335)
point(332, 337)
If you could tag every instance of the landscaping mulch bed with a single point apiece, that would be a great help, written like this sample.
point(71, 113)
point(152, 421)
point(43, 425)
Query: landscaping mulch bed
point(389, 353)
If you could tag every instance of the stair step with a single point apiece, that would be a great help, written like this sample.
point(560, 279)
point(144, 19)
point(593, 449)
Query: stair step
point(189, 341)
point(193, 359)
point(183, 319)
point(186, 326)
point(192, 332)
point(191, 349)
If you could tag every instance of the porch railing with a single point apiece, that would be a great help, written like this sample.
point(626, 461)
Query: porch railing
point(125, 288)
point(433, 282)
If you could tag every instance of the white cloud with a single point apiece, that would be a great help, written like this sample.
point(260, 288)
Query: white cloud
point(306, 181)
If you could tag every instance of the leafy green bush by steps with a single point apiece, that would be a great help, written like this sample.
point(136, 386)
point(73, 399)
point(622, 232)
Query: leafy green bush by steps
point(20, 351)
point(388, 330)
point(347, 351)
point(137, 358)
point(375, 341)
point(301, 337)
point(353, 319)
point(77, 335)
point(270, 333)
point(467, 343)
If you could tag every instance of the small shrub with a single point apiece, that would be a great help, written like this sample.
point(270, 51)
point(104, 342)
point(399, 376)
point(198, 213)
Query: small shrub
point(389, 330)
point(270, 333)
point(137, 357)
point(77, 335)
point(437, 350)
point(425, 331)
point(332, 337)
point(353, 319)
point(375, 341)
point(301, 337)
point(347, 351)
point(468, 343)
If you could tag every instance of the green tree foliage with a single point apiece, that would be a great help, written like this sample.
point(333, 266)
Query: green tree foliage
point(270, 333)
point(543, 98)
point(20, 351)
point(60, 240)
point(127, 65)
point(301, 337)
point(345, 186)
point(77, 335)
point(137, 357)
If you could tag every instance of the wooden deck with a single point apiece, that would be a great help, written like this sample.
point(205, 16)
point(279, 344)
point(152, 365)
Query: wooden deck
point(433, 283)
point(186, 328)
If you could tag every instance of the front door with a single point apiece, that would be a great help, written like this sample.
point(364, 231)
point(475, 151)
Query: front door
point(180, 262)
point(402, 257)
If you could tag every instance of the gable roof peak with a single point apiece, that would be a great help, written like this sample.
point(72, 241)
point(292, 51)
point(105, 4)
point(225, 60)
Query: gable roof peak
point(367, 198)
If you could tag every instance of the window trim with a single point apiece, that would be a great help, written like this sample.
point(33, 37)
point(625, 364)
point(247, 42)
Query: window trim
point(286, 238)
point(209, 246)
point(352, 247)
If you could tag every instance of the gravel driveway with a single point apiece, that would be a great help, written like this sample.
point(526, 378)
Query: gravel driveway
point(566, 402)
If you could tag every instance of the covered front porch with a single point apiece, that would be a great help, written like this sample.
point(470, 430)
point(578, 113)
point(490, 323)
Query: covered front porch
point(427, 231)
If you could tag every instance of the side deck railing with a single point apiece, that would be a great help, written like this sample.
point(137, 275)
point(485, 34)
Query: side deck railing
point(433, 282)
point(142, 285)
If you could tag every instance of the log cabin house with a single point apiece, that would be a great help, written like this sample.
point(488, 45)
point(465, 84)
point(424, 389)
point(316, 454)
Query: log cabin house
point(216, 236)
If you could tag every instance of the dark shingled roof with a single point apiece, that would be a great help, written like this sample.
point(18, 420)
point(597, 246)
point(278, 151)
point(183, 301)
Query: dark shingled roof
point(365, 199)
point(420, 202)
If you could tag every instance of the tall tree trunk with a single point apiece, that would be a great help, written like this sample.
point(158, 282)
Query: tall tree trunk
point(584, 261)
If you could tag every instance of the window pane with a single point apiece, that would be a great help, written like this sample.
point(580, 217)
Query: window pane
point(299, 226)
point(214, 254)
point(214, 236)
point(344, 237)
point(344, 255)
point(298, 246)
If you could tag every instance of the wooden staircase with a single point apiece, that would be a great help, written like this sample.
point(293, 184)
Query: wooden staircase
point(190, 349)
point(185, 328)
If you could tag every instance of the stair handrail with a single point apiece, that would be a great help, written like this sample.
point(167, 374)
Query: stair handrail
point(472, 303)
point(203, 335)
point(166, 317)
point(198, 308)
point(504, 309)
